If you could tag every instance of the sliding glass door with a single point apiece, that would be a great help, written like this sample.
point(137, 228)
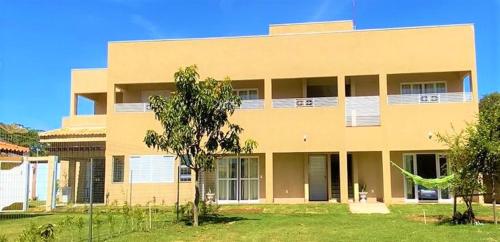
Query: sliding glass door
point(427, 166)
point(238, 179)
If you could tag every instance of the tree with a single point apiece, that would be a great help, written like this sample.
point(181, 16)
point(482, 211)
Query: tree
point(196, 125)
point(462, 164)
point(474, 155)
point(485, 144)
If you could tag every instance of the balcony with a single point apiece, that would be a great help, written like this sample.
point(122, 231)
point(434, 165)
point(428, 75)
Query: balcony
point(305, 92)
point(362, 111)
point(305, 102)
point(132, 107)
point(429, 98)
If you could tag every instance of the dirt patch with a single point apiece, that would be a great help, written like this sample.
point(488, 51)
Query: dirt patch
point(437, 219)
point(429, 218)
point(242, 210)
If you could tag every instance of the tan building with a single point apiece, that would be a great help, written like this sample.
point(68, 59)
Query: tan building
point(330, 107)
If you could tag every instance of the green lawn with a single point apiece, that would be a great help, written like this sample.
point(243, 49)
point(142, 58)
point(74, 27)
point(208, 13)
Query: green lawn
point(309, 222)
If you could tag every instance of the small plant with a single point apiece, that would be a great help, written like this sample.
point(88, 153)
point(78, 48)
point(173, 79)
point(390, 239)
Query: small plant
point(79, 223)
point(47, 232)
point(29, 234)
point(3, 238)
point(68, 223)
point(112, 223)
point(363, 188)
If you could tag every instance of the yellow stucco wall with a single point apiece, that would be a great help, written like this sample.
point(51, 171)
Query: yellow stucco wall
point(288, 175)
point(377, 61)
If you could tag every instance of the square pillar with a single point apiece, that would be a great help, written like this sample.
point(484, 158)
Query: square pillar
point(51, 179)
point(269, 178)
point(329, 175)
point(355, 179)
point(268, 93)
point(382, 92)
point(344, 194)
point(386, 176)
point(306, 178)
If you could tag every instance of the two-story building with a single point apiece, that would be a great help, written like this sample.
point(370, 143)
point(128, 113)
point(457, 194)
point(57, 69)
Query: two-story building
point(330, 106)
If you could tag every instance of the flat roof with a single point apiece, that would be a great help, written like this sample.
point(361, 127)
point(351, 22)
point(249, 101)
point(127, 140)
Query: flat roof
point(291, 34)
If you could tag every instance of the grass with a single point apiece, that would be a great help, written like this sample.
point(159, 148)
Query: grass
point(307, 222)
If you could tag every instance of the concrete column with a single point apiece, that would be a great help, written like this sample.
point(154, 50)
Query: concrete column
point(306, 178)
point(341, 89)
point(386, 176)
point(355, 178)
point(51, 179)
point(304, 87)
point(268, 93)
point(329, 175)
point(473, 85)
point(73, 106)
point(344, 194)
point(269, 178)
point(382, 89)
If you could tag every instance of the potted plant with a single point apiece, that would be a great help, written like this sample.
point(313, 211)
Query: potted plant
point(210, 196)
point(363, 193)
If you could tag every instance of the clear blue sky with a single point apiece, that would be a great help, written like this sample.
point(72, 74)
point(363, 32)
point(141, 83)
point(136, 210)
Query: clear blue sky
point(40, 41)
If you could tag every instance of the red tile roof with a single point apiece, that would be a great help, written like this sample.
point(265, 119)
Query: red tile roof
point(8, 147)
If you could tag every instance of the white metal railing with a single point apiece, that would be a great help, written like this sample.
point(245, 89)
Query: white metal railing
point(305, 102)
point(132, 107)
point(448, 97)
point(362, 111)
point(252, 104)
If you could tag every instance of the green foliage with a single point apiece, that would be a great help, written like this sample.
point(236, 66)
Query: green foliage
point(485, 143)
point(32, 233)
point(206, 210)
point(29, 234)
point(196, 126)
point(47, 232)
point(22, 136)
point(462, 164)
point(3, 238)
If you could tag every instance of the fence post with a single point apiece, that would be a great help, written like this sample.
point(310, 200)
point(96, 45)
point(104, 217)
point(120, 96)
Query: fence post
point(90, 196)
point(130, 190)
point(26, 173)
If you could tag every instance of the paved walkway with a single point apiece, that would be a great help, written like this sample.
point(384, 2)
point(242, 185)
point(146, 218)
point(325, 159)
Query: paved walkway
point(368, 208)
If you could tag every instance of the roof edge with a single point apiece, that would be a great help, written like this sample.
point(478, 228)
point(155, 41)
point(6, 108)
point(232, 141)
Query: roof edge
point(289, 34)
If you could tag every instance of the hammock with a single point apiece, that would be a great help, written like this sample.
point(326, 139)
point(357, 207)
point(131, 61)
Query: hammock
point(434, 183)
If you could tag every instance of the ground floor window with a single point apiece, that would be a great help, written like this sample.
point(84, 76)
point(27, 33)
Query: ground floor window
point(238, 179)
point(152, 169)
point(427, 166)
point(118, 168)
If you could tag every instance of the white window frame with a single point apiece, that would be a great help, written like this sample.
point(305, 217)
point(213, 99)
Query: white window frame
point(438, 174)
point(422, 85)
point(238, 90)
point(238, 180)
point(171, 178)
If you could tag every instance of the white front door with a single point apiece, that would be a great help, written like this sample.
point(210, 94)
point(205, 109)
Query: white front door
point(317, 178)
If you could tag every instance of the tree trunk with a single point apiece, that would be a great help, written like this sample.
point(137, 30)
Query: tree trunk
point(196, 199)
point(494, 196)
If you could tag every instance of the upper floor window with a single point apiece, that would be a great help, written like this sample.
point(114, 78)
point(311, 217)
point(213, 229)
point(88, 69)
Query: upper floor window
point(247, 94)
point(423, 87)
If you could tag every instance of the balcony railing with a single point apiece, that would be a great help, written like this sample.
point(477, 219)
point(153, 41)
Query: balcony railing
point(448, 97)
point(252, 104)
point(305, 102)
point(362, 111)
point(132, 107)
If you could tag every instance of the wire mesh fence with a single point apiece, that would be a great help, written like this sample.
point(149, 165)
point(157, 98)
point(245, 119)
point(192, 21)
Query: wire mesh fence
point(85, 216)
